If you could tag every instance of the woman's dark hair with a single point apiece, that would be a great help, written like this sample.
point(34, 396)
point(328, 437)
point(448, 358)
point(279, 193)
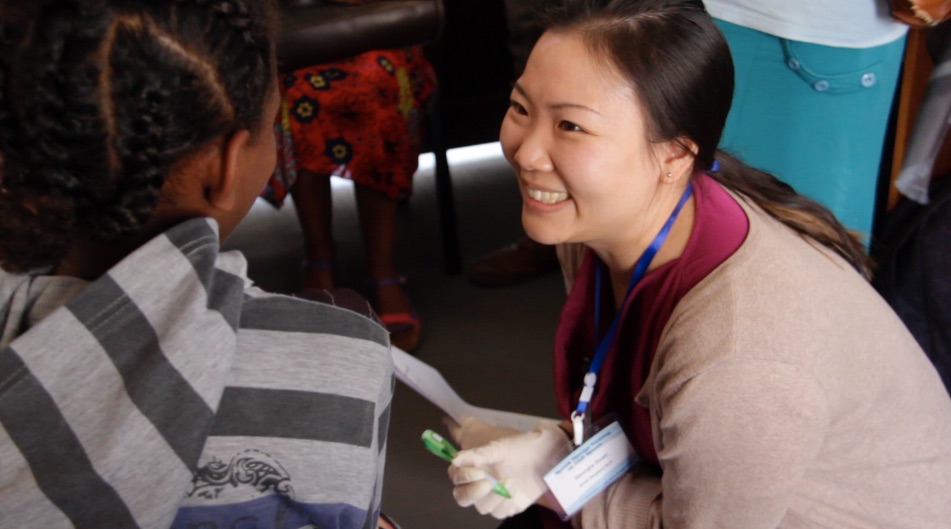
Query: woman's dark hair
point(680, 68)
point(99, 99)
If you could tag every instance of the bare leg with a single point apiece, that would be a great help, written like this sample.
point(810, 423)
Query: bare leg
point(377, 213)
point(314, 205)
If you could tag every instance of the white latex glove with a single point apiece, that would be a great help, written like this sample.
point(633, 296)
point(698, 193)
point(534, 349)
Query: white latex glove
point(471, 432)
point(519, 461)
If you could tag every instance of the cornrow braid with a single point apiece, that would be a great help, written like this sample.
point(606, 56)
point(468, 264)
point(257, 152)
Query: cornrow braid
point(233, 13)
point(100, 99)
point(51, 136)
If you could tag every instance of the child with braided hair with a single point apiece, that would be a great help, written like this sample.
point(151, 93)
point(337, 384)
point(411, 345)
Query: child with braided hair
point(144, 381)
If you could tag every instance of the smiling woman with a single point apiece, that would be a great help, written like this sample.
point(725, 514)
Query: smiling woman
point(714, 310)
point(582, 155)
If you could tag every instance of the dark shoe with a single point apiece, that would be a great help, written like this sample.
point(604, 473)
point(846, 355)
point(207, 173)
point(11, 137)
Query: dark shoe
point(517, 262)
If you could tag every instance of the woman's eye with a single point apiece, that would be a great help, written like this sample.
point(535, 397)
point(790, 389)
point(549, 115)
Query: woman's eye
point(569, 126)
point(518, 108)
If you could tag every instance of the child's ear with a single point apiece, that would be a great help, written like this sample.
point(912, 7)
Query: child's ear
point(222, 192)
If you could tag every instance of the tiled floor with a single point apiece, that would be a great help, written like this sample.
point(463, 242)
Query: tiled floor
point(493, 345)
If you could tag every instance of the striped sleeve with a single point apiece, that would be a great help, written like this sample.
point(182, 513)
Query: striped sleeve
point(300, 435)
point(106, 403)
point(170, 393)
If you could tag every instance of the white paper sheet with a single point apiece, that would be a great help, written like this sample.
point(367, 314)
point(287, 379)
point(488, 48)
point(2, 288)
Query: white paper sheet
point(428, 382)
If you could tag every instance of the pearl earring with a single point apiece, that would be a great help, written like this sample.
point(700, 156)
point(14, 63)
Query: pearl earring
point(670, 175)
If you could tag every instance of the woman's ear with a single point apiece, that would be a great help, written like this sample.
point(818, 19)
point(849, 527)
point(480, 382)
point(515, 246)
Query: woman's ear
point(677, 159)
point(223, 188)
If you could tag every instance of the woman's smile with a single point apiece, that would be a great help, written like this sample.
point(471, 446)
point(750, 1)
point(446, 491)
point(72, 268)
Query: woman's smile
point(546, 197)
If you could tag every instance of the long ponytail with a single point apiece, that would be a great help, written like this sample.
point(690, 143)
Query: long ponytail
point(796, 211)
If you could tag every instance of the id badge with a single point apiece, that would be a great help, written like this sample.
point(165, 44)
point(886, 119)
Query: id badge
point(589, 469)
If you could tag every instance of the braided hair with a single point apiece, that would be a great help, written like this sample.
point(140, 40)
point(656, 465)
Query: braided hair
point(99, 99)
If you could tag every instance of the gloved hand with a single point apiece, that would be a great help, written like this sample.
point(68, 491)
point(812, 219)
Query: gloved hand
point(470, 432)
point(519, 461)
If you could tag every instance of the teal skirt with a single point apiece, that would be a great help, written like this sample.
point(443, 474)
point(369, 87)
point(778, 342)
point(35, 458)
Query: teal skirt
point(815, 116)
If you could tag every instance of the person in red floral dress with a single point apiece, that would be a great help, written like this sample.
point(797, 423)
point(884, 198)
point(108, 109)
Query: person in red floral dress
point(360, 119)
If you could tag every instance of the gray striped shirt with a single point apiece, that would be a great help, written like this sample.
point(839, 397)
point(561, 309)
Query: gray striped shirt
point(172, 393)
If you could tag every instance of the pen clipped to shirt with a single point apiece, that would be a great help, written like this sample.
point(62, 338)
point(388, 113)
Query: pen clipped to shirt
point(438, 445)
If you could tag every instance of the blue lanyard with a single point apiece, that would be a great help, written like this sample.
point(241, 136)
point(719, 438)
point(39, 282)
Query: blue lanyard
point(602, 347)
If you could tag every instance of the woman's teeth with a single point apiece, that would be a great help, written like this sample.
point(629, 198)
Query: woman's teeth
point(548, 197)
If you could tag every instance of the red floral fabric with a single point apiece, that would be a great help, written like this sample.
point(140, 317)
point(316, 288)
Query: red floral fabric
point(360, 118)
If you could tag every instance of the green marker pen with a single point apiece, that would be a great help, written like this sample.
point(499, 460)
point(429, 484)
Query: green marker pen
point(436, 444)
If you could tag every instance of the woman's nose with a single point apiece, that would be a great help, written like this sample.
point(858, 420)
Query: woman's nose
point(531, 153)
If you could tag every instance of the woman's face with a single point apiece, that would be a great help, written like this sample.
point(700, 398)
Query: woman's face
point(576, 136)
